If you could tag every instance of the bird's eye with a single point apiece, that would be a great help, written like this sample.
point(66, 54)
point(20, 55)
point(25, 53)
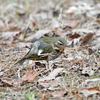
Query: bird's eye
point(59, 43)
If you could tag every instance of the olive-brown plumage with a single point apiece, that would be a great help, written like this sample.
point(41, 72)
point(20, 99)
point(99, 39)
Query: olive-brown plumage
point(46, 48)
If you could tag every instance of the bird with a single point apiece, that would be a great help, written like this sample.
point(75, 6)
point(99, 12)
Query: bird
point(45, 48)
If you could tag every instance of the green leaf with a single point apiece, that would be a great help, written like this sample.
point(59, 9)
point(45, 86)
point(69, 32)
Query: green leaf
point(30, 96)
point(22, 35)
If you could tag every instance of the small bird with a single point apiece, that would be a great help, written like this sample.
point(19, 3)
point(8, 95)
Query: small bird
point(46, 48)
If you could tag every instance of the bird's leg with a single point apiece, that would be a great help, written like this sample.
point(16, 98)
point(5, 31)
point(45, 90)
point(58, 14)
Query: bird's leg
point(50, 65)
point(47, 65)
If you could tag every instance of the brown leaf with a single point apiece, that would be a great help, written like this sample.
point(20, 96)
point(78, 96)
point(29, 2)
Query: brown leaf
point(88, 70)
point(11, 34)
point(13, 28)
point(70, 22)
point(29, 76)
point(93, 88)
point(45, 96)
point(86, 38)
point(91, 51)
point(22, 16)
point(74, 67)
point(13, 88)
point(32, 24)
point(37, 35)
point(52, 83)
point(7, 82)
point(90, 91)
point(73, 36)
point(52, 75)
point(76, 95)
point(59, 93)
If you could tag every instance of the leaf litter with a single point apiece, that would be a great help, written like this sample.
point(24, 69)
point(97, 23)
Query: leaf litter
point(75, 74)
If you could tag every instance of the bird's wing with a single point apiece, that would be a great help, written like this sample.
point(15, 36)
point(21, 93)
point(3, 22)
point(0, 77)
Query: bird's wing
point(45, 48)
point(39, 47)
point(33, 50)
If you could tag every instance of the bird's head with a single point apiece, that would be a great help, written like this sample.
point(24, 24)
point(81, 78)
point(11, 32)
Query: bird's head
point(60, 43)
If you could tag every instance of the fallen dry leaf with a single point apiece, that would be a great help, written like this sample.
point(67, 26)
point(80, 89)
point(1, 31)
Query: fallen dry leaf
point(50, 83)
point(73, 36)
point(45, 96)
point(70, 23)
point(93, 88)
point(29, 76)
point(32, 24)
point(91, 51)
point(59, 93)
point(87, 38)
point(74, 67)
point(92, 80)
point(7, 35)
point(79, 8)
point(52, 75)
point(7, 82)
point(37, 35)
point(90, 91)
point(88, 70)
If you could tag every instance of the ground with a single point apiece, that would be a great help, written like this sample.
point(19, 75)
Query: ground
point(75, 75)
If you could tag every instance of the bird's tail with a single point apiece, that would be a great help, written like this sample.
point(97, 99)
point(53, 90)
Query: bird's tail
point(20, 62)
